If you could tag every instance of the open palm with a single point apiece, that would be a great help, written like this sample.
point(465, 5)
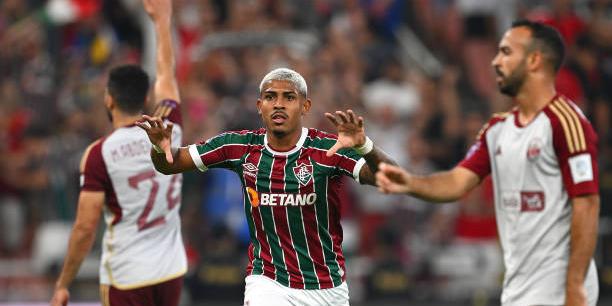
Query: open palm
point(160, 133)
point(351, 132)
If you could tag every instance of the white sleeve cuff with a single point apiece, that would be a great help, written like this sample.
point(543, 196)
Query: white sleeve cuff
point(195, 156)
point(357, 169)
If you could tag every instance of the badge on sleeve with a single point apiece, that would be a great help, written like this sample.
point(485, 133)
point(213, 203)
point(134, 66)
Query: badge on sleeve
point(581, 168)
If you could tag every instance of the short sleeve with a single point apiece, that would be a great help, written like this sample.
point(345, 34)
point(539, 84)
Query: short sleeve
point(169, 110)
point(477, 158)
point(349, 163)
point(575, 144)
point(94, 176)
point(220, 151)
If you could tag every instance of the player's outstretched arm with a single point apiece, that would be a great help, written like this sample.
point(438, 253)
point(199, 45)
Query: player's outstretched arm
point(583, 238)
point(165, 86)
point(166, 159)
point(444, 186)
point(82, 237)
point(351, 134)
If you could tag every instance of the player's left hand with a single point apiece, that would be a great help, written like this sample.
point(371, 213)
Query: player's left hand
point(350, 130)
point(575, 296)
point(60, 297)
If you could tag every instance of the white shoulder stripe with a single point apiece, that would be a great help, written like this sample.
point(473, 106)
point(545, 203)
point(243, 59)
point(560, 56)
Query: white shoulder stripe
point(195, 156)
point(357, 169)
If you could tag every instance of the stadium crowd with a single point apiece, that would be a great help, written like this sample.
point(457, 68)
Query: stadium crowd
point(362, 54)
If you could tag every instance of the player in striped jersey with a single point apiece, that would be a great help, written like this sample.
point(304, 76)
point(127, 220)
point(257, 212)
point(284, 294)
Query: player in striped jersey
point(542, 157)
point(291, 177)
point(143, 257)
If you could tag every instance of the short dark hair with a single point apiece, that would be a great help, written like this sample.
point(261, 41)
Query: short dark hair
point(128, 86)
point(546, 39)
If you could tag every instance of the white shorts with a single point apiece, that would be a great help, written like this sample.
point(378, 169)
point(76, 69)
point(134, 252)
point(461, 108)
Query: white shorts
point(263, 291)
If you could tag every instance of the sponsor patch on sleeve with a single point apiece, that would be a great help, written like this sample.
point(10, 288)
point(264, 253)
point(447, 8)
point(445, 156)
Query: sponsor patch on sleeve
point(581, 168)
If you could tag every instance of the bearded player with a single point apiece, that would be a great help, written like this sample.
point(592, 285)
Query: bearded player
point(291, 177)
point(143, 257)
point(542, 157)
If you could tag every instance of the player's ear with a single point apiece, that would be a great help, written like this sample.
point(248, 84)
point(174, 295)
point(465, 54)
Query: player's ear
point(535, 60)
point(306, 106)
point(109, 103)
point(259, 106)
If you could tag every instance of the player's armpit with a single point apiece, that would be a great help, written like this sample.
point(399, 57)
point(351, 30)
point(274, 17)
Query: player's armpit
point(182, 161)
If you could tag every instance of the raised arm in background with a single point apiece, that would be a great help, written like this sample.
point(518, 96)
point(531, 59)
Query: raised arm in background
point(165, 159)
point(165, 86)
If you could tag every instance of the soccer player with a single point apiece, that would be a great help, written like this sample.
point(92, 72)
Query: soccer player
point(143, 257)
point(291, 177)
point(542, 157)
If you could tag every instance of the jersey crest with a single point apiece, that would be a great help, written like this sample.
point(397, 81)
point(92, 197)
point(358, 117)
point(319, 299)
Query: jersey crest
point(303, 173)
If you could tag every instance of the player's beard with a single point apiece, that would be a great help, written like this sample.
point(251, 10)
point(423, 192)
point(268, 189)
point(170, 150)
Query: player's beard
point(109, 115)
point(512, 84)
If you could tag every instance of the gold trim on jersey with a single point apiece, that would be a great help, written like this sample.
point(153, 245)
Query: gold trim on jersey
point(110, 250)
point(572, 128)
point(104, 295)
point(570, 109)
point(566, 130)
point(571, 123)
point(150, 282)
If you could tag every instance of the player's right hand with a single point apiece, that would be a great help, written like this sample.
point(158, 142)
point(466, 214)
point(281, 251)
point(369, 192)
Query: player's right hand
point(159, 132)
point(60, 297)
point(159, 10)
point(392, 179)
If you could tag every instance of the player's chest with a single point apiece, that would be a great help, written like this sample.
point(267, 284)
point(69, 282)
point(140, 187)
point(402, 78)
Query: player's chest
point(515, 150)
point(292, 174)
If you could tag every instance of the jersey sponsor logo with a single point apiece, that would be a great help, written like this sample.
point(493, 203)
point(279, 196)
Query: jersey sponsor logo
point(303, 173)
point(534, 148)
point(581, 168)
point(250, 169)
point(510, 201)
point(253, 196)
point(532, 201)
point(280, 199)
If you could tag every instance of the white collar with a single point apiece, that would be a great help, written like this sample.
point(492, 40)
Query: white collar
point(298, 145)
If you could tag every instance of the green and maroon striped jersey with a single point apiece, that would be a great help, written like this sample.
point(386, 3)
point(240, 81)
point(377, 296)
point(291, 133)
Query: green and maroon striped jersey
point(291, 201)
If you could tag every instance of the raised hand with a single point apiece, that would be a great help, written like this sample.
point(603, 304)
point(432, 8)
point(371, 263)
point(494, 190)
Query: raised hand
point(159, 10)
point(160, 134)
point(350, 130)
point(392, 179)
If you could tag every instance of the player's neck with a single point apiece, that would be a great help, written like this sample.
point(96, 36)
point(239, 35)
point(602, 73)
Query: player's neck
point(532, 98)
point(283, 143)
point(121, 119)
